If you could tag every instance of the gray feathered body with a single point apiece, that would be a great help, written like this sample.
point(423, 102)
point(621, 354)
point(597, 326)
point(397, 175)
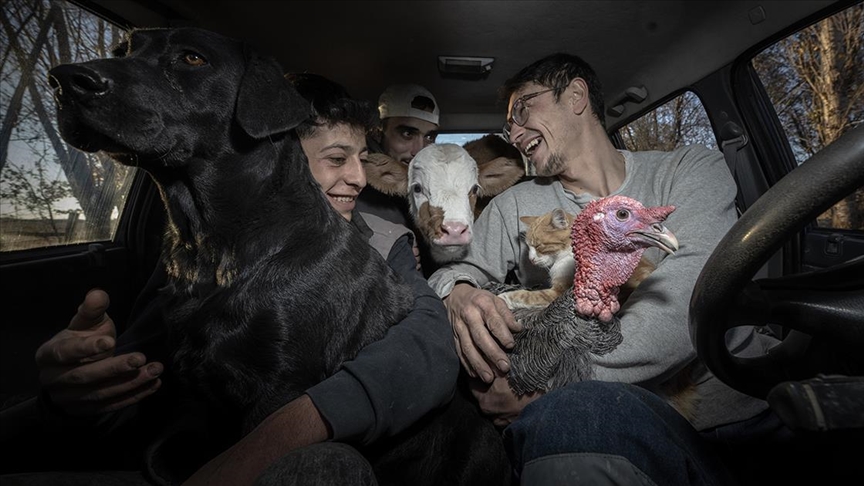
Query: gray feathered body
point(556, 345)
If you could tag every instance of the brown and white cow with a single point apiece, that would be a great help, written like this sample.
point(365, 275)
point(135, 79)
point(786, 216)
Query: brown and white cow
point(447, 186)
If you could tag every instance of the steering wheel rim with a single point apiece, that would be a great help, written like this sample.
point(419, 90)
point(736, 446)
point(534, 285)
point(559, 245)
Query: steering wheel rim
point(780, 213)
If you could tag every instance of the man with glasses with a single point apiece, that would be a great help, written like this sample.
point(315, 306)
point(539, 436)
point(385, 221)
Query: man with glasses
point(615, 430)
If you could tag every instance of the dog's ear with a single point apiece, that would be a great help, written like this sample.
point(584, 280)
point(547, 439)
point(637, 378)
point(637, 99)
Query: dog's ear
point(267, 103)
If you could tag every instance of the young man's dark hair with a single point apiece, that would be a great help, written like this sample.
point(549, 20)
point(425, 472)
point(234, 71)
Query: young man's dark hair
point(556, 71)
point(331, 105)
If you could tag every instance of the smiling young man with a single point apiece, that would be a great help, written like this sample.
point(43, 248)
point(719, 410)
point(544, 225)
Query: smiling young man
point(606, 431)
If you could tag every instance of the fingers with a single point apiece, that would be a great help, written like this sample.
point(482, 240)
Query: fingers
point(104, 385)
point(92, 373)
point(469, 355)
point(480, 331)
point(113, 403)
point(507, 316)
point(417, 256)
point(69, 348)
point(91, 312)
point(90, 335)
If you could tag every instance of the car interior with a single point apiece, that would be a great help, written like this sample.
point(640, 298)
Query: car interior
point(750, 78)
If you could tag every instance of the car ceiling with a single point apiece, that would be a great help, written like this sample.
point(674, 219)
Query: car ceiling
point(660, 45)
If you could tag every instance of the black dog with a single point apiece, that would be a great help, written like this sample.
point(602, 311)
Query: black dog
point(259, 309)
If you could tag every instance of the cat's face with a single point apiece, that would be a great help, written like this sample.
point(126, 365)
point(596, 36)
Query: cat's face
point(548, 237)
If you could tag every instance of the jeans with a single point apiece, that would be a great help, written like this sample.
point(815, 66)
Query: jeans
point(325, 464)
point(601, 433)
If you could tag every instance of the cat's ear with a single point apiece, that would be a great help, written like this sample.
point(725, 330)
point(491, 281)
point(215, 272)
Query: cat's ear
point(559, 219)
point(529, 220)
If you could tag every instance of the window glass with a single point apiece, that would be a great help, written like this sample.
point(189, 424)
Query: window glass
point(50, 193)
point(815, 79)
point(680, 121)
point(458, 138)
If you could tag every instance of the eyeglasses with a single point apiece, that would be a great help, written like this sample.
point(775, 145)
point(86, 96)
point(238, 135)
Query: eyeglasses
point(519, 112)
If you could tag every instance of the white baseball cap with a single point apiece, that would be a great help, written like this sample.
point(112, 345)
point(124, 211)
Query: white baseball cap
point(408, 100)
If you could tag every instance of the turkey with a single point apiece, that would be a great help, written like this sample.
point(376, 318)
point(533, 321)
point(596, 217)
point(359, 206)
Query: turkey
point(557, 342)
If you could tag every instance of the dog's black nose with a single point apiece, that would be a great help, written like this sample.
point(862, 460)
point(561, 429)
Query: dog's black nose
point(77, 81)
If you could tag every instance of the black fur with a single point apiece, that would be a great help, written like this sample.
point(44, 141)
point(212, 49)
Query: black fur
point(267, 283)
point(270, 290)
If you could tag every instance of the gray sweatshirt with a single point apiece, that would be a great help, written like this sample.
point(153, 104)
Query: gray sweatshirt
point(654, 320)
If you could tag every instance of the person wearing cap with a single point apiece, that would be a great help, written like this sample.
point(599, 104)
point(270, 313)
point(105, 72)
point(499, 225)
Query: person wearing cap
point(409, 122)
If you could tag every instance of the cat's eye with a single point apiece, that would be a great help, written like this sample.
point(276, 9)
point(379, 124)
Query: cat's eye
point(521, 236)
point(622, 214)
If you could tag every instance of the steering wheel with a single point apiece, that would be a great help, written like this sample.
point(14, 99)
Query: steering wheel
point(823, 310)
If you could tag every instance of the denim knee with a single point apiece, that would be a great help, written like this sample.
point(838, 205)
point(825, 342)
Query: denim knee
point(612, 419)
point(324, 464)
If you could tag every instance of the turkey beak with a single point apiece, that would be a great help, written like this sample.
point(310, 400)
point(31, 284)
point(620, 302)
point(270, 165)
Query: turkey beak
point(658, 235)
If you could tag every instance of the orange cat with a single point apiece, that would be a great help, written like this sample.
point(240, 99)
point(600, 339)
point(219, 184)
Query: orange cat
point(549, 247)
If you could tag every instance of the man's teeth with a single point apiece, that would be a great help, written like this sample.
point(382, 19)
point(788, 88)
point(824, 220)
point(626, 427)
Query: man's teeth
point(343, 199)
point(531, 146)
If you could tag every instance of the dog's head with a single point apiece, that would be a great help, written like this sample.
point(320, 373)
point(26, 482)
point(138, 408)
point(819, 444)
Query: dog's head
point(171, 94)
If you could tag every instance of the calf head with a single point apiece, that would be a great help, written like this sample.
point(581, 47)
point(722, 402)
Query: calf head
point(443, 190)
point(169, 95)
point(448, 187)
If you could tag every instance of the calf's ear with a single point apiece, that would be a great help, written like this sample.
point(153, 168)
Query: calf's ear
point(387, 174)
point(267, 103)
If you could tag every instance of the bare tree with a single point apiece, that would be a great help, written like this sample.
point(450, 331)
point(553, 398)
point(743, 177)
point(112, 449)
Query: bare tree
point(815, 79)
point(679, 122)
point(40, 35)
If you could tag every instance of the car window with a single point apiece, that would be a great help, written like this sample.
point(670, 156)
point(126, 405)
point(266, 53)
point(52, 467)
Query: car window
point(678, 122)
point(50, 193)
point(458, 138)
point(815, 79)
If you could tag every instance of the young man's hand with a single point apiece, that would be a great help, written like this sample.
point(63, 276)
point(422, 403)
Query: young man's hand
point(498, 401)
point(78, 369)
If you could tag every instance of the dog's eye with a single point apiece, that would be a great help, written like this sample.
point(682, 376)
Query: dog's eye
point(475, 190)
point(194, 59)
point(417, 188)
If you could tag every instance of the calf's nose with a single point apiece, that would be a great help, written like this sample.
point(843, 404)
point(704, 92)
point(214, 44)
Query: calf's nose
point(454, 233)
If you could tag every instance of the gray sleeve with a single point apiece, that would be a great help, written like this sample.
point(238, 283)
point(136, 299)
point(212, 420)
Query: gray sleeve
point(654, 321)
point(493, 252)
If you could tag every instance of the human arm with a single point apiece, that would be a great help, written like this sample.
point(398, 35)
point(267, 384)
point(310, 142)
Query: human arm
point(294, 425)
point(377, 394)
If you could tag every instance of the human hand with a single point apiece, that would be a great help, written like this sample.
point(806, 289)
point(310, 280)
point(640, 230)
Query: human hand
point(417, 255)
point(79, 371)
point(483, 327)
point(498, 401)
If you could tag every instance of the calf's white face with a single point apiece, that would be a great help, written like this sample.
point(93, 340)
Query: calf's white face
point(442, 193)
